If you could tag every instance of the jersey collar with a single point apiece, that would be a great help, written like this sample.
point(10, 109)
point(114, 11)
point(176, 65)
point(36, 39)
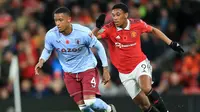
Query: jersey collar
point(126, 28)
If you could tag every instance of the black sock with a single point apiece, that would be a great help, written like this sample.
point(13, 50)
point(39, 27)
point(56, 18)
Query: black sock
point(151, 109)
point(156, 100)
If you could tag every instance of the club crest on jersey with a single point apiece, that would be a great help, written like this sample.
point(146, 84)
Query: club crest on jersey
point(133, 34)
point(118, 37)
point(91, 34)
point(67, 41)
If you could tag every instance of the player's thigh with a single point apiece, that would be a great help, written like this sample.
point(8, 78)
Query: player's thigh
point(130, 84)
point(144, 75)
point(90, 83)
point(74, 87)
point(145, 83)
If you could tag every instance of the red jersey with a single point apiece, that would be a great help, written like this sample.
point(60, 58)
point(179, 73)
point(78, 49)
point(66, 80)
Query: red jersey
point(124, 44)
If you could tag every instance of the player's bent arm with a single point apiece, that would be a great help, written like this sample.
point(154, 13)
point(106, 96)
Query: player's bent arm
point(161, 35)
point(45, 55)
point(102, 54)
point(95, 32)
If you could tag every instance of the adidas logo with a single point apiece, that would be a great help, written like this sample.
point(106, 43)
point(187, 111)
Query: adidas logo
point(118, 37)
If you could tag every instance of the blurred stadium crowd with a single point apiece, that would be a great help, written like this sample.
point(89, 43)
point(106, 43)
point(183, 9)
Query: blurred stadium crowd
point(23, 24)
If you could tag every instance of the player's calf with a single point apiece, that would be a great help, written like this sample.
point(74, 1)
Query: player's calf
point(157, 101)
point(153, 96)
point(143, 102)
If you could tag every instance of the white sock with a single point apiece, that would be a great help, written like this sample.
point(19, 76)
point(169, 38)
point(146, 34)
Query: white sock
point(109, 108)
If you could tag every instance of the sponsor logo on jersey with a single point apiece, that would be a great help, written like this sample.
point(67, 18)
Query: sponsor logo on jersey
point(91, 34)
point(117, 44)
point(63, 50)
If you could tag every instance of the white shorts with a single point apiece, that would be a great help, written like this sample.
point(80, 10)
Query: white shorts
point(130, 81)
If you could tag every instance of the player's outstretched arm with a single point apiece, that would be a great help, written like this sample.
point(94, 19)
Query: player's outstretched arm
point(95, 32)
point(174, 45)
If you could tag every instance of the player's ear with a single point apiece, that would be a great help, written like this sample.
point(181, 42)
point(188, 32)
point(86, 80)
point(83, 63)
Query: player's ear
point(69, 19)
point(126, 15)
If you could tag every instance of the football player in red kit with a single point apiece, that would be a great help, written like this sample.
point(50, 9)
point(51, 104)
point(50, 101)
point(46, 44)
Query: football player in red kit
point(123, 39)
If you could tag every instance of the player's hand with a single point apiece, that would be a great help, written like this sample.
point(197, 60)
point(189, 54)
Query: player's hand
point(176, 47)
point(100, 21)
point(38, 67)
point(106, 76)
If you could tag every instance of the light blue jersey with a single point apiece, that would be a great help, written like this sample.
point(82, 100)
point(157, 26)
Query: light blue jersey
point(74, 50)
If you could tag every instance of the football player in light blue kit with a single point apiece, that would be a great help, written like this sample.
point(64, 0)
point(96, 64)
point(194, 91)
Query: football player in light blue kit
point(73, 44)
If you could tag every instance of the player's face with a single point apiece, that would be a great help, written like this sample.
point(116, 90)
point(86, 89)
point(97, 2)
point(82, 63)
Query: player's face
point(119, 17)
point(62, 21)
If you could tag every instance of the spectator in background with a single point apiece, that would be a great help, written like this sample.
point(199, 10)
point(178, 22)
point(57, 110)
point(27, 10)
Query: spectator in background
point(32, 27)
point(108, 13)
point(4, 75)
point(134, 13)
point(57, 84)
point(5, 18)
point(95, 10)
point(172, 31)
point(27, 56)
point(41, 85)
point(26, 87)
point(150, 14)
point(197, 34)
point(190, 71)
point(163, 19)
point(38, 39)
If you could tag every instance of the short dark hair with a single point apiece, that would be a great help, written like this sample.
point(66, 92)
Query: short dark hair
point(64, 10)
point(121, 6)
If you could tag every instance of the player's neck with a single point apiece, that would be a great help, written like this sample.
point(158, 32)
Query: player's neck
point(68, 30)
point(124, 25)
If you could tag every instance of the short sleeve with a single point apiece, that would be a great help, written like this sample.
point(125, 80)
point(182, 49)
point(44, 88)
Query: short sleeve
point(48, 44)
point(145, 27)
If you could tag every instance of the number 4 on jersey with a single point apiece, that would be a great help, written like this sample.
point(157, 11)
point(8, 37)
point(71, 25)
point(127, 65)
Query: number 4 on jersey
point(93, 82)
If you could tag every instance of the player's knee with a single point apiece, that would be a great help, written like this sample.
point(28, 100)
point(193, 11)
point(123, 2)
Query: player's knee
point(78, 99)
point(146, 89)
point(89, 102)
point(81, 102)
